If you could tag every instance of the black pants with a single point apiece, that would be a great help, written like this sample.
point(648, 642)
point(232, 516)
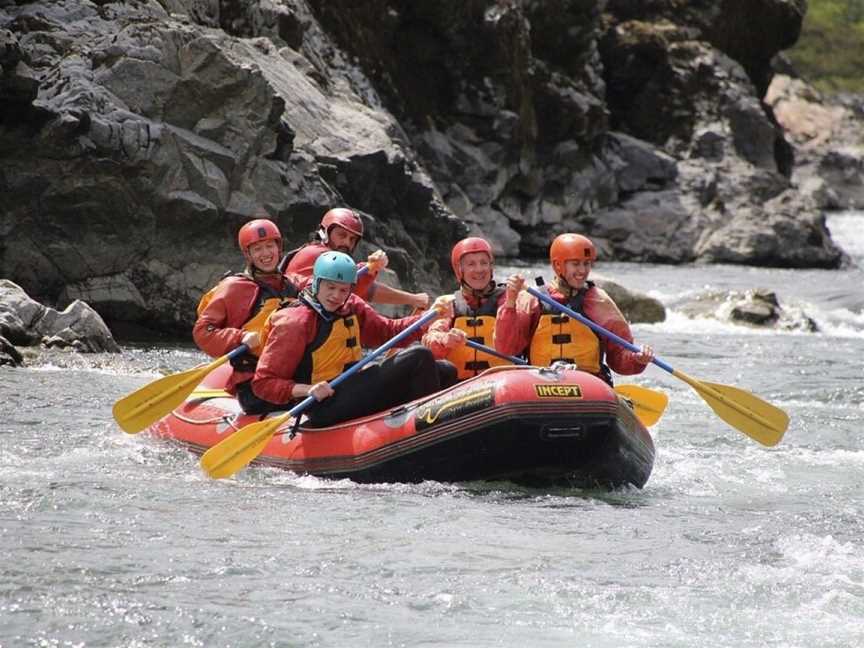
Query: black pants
point(409, 374)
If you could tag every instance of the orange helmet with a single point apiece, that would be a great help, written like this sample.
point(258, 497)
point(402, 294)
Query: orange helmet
point(467, 246)
point(570, 246)
point(345, 218)
point(260, 229)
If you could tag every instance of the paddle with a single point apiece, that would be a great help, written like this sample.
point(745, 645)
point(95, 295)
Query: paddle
point(493, 352)
point(235, 452)
point(151, 402)
point(648, 404)
point(742, 410)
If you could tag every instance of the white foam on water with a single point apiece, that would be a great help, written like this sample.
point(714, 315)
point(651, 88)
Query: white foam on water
point(847, 231)
point(836, 323)
point(839, 322)
point(842, 562)
point(151, 363)
point(834, 406)
point(677, 322)
point(839, 457)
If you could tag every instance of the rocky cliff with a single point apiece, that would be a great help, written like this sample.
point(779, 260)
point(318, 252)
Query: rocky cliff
point(135, 137)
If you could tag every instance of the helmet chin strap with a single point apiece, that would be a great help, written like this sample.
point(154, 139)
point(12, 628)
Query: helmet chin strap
point(561, 285)
point(252, 270)
point(478, 294)
point(311, 300)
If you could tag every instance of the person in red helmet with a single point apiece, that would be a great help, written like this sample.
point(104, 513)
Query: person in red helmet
point(525, 325)
point(315, 339)
point(234, 311)
point(475, 307)
point(341, 230)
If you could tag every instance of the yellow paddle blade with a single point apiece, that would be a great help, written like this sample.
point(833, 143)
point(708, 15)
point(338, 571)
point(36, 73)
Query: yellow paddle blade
point(238, 450)
point(151, 402)
point(742, 410)
point(648, 404)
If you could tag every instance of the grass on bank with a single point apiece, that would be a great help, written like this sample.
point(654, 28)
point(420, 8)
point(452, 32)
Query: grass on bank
point(830, 51)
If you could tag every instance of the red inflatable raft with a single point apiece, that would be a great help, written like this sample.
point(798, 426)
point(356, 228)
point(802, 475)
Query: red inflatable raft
point(527, 425)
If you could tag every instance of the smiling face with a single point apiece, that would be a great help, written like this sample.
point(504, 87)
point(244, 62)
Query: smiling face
point(476, 269)
point(575, 272)
point(264, 255)
point(341, 240)
point(332, 294)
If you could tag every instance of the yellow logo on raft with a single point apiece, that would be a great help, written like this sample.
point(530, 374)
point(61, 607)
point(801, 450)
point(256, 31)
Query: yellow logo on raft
point(437, 411)
point(558, 391)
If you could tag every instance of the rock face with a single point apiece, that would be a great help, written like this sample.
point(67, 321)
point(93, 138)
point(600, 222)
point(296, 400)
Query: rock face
point(9, 355)
point(637, 307)
point(828, 140)
point(136, 137)
point(757, 308)
point(25, 322)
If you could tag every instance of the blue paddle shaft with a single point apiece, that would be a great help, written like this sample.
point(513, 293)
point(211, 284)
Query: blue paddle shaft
point(594, 326)
point(240, 350)
point(493, 352)
point(384, 348)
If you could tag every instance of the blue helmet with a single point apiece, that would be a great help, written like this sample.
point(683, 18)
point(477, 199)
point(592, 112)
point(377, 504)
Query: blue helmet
point(333, 266)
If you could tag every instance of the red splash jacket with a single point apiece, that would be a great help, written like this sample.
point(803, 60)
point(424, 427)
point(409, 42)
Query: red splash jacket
point(294, 329)
point(303, 261)
point(232, 304)
point(516, 331)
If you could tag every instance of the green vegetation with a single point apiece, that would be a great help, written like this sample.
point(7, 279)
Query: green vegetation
point(830, 52)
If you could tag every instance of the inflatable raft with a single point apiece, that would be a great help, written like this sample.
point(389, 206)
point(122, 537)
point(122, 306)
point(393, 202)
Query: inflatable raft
point(528, 425)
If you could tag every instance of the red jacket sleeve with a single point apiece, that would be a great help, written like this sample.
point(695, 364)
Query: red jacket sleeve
point(600, 308)
point(375, 329)
point(301, 265)
point(299, 281)
point(365, 288)
point(515, 325)
point(292, 330)
point(218, 329)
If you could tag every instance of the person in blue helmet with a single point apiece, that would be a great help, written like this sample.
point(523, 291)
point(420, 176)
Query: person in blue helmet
point(315, 339)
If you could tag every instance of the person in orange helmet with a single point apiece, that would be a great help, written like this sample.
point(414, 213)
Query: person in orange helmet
point(525, 325)
point(474, 310)
point(341, 230)
point(234, 311)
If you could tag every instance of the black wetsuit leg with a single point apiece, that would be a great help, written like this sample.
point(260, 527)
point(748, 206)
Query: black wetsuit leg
point(251, 404)
point(409, 374)
point(448, 375)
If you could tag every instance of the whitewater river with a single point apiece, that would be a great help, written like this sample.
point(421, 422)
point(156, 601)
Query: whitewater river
point(108, 539)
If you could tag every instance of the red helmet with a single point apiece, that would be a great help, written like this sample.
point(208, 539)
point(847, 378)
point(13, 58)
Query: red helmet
point(345, 218)
point(260, 229)
point(467, 246)
point(570, 246)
